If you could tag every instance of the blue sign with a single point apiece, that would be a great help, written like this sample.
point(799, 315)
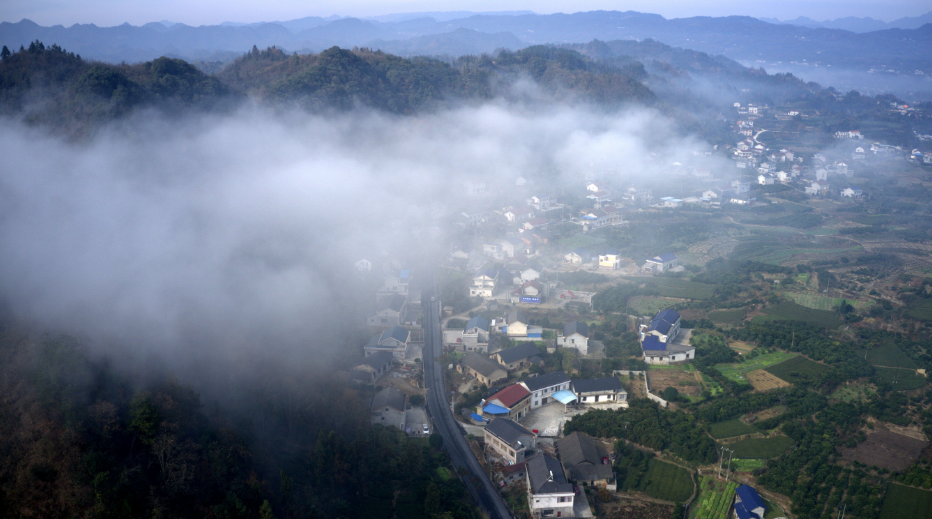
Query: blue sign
point(526, 299)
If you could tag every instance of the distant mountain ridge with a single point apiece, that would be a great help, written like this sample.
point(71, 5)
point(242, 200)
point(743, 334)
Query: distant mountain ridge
point(736, 37)
point(855, 24)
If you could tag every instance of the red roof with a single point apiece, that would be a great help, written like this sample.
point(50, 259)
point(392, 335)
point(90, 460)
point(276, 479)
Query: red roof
point(511, 395)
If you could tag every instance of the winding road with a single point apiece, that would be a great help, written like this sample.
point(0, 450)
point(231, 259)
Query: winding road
point(439, 406)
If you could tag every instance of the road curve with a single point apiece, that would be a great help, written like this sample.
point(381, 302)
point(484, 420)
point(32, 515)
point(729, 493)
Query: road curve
point(438, 404)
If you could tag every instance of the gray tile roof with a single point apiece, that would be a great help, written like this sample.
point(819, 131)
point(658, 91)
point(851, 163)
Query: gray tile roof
point(542, 381)
point(519, 352)
point(486, 367)
point(395, 302)
point(576, 327)
point(508, 430)
point(546, 476)
point(377, 359)
point(388, 397)
point(517, 316)
point(578, 448)
point(597, 384)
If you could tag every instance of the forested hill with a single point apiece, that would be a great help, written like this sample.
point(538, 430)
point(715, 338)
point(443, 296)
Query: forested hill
point(48, 85)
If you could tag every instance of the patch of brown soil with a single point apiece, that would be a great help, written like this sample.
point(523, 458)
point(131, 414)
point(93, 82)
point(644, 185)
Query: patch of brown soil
point(764, 381)
point(886, 449)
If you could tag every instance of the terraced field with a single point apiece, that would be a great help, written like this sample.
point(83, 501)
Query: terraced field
point(728, 316)
point(902, 502)
point(675, 287)
point(730, 429)
point(714, 499)
point(739, 370)
point(761, 448)
point(888, 355)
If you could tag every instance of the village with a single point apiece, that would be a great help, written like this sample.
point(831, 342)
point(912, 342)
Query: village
point(526, 355)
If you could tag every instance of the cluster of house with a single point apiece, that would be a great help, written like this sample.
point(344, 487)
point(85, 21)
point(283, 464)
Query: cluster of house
point(607, 259)
point(658, 340)
point(549, 480)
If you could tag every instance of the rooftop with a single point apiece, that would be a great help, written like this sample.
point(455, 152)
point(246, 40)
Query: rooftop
point(484, 366)
point(395, 332)
point(508, 430)
point(511, 395)
point(576, 327)
point(478, 322)
point(542, 381)
point(377, 359)
point(389, 397)
point(545, 476)
point(592, 385)
point(517, 353)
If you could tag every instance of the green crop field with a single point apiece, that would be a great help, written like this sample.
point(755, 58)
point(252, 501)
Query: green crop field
point(888, 355)
point(737, 370)
point(728, 316)
point(743, 465)
point(714, 499)
point(796, 369)
point(902, 502)
point(788, 311)
point(761, 448)
point(873, 219)
point(580, 241)
point(921, 310)
point(666, 481)
point(901, 379)
point(676, 287)
point(817, 302)
point(649, 305)
point(730, 429)
point(714, 387)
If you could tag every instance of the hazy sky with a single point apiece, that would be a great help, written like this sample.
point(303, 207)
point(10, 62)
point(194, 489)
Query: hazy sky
point(208, 12)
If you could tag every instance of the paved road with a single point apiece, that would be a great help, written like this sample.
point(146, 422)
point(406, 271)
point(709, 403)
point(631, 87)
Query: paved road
point(438, 404)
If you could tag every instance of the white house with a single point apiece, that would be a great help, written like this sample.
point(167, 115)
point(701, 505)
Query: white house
point(363, 265)
point(660, 263)
point(604, 390)
point(575, 335)
point(390, 311)
point(765, 179)
point(740, 186)
point(549, 494)
point(509, 439)
point(483, 283)
point(658, 340)
point(529, 274)
point(475, 188)
point(388, 408)
point(577, 257)
point(610, 259)
point(852, 192)
point(543, 387)
point(394, 340)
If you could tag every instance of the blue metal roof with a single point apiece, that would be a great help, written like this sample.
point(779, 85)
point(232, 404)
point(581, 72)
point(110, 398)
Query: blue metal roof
point(667, 257)
point(652, 342)
point(478, 418)
point(395, 332)
point(749, 497)
point(494, 409)
point(743, 513)
point(478, 322)
point(660, 325)
point(564, 396)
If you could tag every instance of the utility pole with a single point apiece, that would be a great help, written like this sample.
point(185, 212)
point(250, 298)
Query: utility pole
point(730, 455)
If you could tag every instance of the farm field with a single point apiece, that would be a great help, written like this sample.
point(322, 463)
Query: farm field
point(901, 379)
point(796, 369)
point(886, 449)
point(922, 311)
point(714, 387)
point(888, 355)
point(667, 482)
point(675, 377)
point(675, 287)
point(738, 370)
point(788, 311)
point(714, 499)
point(728, 316)
point(818, 302)
point(902, 502)
point(761, 448)
point(580, 241)
point(730, 429)
point(764, 381)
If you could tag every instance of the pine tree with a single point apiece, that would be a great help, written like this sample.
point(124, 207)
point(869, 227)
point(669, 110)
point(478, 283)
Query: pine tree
point(5, 53)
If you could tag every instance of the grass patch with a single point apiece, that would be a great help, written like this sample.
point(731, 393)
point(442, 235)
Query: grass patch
point(788, 311)
point(730, 429)
point(872, 220)
point(743, 465)
point(797, 369)
point(921, 310)
point(443, 473)
point(676, 287)
point(888, 355)
point(901, 379)
point(649, 305)
point(728, 316)
point(761, 448)
point(666, 481)
point(903, 502)
point(580, 241)
point(852, 394)
point(714, 387)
